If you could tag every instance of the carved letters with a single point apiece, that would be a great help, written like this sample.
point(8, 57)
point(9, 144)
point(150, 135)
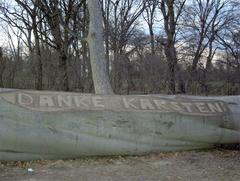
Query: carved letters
point(60, 101)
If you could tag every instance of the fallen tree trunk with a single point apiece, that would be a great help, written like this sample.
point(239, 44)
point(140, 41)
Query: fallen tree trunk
point(51, 125)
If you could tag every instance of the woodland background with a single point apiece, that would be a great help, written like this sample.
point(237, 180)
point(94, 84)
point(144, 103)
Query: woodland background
point(154, 46)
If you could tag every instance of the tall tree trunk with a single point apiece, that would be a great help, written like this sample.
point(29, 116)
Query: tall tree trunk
point(2, 67)
point(63, 73)
point(96, 47)
point(167, 9)
point(107, 51)
point(171, 62)
point(152, 40)
point(39, 85)
point(115, 50)
point(208, 67)
point(107, 31)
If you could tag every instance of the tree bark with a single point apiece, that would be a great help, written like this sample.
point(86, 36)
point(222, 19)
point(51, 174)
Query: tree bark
point(63, 73)
point(167, 9)
point(171, 62)
point(152, 40)
point(39, 85)
point(96, 48)
point(111, 124)
point(2, 68)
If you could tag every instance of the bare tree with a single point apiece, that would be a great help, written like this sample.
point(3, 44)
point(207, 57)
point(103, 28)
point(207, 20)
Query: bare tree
point(202, 21)
point(58, 14)
point(230, 36)
point(150, 17)
point(120, 17)
point(171, 11)
point(31, 7)
point(17, 17)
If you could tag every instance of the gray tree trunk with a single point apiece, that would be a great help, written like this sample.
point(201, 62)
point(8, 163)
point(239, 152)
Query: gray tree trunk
point(96, 47)
point(57, 125)
point(39, 84)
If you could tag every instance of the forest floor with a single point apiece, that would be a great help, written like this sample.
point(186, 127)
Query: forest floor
point(211, 165)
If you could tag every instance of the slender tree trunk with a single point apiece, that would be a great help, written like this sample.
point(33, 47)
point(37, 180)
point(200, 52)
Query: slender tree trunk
point(106, 22)
point(152, 40)
point(96, 47)
point(208, 67)
point(196, 58)
point(39, 85)
point(167, 9)
point(210, 56)
point(63, 72)
point(115, 52)
point(107, 51)
point(1, 68)
point(171, 62)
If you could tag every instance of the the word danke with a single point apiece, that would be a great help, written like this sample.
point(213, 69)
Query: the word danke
point(60, 101)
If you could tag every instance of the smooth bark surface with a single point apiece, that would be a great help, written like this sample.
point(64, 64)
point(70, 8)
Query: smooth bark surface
point(96, 47)
point(56, 125)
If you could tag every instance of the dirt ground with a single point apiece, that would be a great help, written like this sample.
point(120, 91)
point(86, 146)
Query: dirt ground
point(211, 165)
